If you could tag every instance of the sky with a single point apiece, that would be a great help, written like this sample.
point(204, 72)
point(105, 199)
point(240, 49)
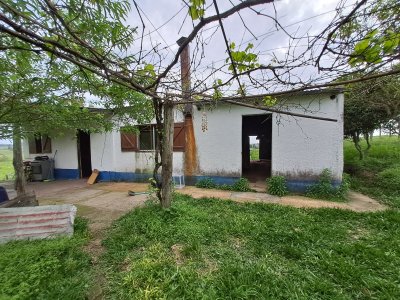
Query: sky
point(167, 20)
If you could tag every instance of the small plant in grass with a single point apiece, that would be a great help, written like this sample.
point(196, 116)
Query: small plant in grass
point(277, 186)
point(206, 183)
point(324, 189)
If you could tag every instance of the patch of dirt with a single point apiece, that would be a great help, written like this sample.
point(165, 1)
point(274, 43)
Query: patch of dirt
point(178, 256)
point(367, 174)
point(358, 233)
point(210, 267)
point(236, 243)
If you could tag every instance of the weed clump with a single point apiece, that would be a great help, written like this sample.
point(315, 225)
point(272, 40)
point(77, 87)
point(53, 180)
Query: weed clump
point(206, 183)
point(241, 185)
point(324, 188)
point(277, 186)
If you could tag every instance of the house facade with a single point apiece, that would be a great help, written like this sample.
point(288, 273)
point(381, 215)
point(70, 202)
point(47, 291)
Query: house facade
point(214, 141)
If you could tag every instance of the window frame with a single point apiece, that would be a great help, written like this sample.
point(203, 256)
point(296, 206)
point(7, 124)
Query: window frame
point(152, 128)
point(42, 144)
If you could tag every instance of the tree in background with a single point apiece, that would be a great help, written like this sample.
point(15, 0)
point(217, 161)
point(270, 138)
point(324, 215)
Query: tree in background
point(368, 106)
point(39, 96)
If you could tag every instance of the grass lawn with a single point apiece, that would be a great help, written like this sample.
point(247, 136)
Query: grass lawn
point(51, 269)
point(378, 175)
point(6, 167)
point(212, 249)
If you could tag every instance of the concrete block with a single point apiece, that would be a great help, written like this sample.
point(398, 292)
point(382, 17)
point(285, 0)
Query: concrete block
point(38, 222)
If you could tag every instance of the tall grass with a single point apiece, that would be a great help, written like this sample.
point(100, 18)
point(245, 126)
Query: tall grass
point(46, 269)
point(378, 174)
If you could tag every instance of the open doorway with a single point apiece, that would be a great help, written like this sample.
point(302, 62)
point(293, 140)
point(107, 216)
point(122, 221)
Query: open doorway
point(256, 147)
point(84, 156)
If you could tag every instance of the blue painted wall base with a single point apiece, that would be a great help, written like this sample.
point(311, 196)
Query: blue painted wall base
point(301, 186)
point(296, 186)
point(66, 174)
point(123, 176)
point(139, 177)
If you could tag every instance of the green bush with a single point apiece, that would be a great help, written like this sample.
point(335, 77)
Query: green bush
point(389, 179)
point(324, 189)
point(206, 183)
point(277, 186)
point(242, 185)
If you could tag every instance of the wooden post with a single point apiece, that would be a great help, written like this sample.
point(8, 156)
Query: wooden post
point(19, 183)
point(167, 155)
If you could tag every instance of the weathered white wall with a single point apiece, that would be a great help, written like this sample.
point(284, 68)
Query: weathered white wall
point(301, 148)
point(107, 156)
point(67, 151)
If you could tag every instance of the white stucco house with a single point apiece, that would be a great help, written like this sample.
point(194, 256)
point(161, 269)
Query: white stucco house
point(214, 142)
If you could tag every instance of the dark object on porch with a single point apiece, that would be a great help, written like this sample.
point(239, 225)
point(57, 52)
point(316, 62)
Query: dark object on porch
point(132, 193)
point(3, 195)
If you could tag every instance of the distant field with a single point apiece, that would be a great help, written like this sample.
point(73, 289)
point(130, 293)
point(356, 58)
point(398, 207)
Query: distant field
point(6, 167)
point(254, 154)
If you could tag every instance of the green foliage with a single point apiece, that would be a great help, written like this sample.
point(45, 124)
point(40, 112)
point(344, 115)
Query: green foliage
point(254, 154)
point(324, 188)
point(241, 185)
point(243, 60)
point(374, 47)
point(384, 155)
point(277, 186)
point(47, 269)
point(43, 93)
point(213, 249)
point(206, 183)
point(196, 9)
point(217, 91)
point(372, 33)
point(368, 105)
point(270, 101)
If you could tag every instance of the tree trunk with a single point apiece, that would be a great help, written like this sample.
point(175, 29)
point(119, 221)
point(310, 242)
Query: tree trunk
point(356, 141)
point(167, 154)
point(18, 164)
point(367, 137)
point(157, 155)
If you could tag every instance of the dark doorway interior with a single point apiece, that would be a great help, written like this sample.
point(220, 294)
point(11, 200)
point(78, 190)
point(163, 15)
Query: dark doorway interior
point(84, 156)
point(256, 133)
